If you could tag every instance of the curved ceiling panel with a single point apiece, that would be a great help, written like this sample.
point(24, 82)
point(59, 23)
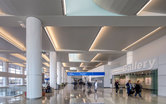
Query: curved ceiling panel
point(126, 7)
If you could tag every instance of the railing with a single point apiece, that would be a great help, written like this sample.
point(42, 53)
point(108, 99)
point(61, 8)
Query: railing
point(13, 90)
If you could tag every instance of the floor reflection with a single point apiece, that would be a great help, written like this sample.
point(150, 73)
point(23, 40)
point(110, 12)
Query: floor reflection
point(83, 95)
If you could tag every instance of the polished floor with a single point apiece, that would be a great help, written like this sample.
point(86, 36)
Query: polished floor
point(82, 95)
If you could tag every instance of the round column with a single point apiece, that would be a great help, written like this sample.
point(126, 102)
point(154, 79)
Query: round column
point(62, 75)
point(59, 73)
point(34, 59)
point(53, 70)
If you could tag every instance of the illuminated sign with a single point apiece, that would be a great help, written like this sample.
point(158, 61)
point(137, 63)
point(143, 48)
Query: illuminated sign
point(136, 66)
point(85, 73)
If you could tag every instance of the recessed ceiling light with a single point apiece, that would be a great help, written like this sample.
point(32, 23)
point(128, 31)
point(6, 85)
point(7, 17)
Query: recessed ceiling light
point(144, 7)
point(139, 40)
point(22, 57)
point(4, 59)
point(64, 6)
point(100, 34)
point(46, 57)
point(18, 64)
point(94, 58)
point(46, 64)
point(8, 37)
point(51, 34)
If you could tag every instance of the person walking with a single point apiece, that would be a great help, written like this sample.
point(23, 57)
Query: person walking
point(129, 87)
point(117, 86)
point(95, 85)
point(138, 89)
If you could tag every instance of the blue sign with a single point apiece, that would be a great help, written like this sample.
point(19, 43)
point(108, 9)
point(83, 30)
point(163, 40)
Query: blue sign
point(47, 79)
point(85, 73)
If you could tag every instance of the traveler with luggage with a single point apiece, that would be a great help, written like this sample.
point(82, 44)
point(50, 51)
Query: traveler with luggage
point(138, 88)
point(129, 88)
point(95, 85)
point(117, 86)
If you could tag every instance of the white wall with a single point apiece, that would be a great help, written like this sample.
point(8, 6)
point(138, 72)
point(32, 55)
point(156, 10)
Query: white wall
point(108, 76)
point(162, 76)
point(153, 49)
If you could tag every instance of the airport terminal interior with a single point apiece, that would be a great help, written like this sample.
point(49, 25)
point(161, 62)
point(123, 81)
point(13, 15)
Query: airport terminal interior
point(82, 51)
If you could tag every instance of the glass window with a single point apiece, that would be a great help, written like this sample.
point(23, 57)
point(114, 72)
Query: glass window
point(1, 81)
point(15, 81)
point(1, 66)
point(11, 81)
point(12, 70)
point(18, 70)
point(25, 72)
point(15, 69)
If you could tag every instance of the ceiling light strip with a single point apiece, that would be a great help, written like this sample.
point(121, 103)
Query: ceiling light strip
point(81, 65)
point(96, 39)
point(144, 37)
point(4, 59)
point(22, 57)
point(144, 7)
point(46, 57)
point(64, 7)
point(99, 64)
point(52, 38)
point(18, 64)
point(93, 60)
point(6, 36)
point(46, 64)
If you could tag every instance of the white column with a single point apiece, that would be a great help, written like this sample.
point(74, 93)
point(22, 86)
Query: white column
point(33, 54)
point(53, 70)
point(129, 57)
point(62, 74)
point(59, 73)
point(6, 69)
point(22, 69)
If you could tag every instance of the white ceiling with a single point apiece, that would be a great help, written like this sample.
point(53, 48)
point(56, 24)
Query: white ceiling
point(31, 7)
point(75, 34)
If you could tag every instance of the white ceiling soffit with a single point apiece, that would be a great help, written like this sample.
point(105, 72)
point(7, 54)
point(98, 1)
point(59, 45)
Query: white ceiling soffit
point(20, 34)
point(74, 38)
point(153, 37)
point(117, 38)
point(31, 7)
point(125, 7)
point(85, 8)
point(6, 47)
point(81, 57)
point(156, 6)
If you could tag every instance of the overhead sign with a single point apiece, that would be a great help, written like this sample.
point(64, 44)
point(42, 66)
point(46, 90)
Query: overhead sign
point(85, 73)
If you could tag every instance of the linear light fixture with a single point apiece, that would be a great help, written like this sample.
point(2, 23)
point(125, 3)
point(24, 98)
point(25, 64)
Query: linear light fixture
point(144, 7)
point(139, 40)
point(46, 64)
point(97, 38)
point(46, 57)
point(93, 60)
point(4, 59)
point(99, 64)
point(64, 7)
point(81, 65)
point(64, 64)
point(50, 32)
point(18, 64)
point(8, 37)
point(22, 57)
